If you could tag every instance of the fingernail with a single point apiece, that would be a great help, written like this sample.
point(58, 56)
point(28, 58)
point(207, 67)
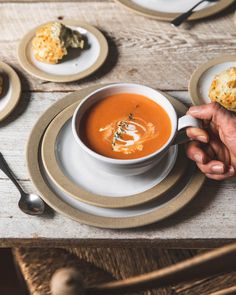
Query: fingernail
point(194, 110)
point(208, 175)
point(217, 168)
point(202, 138)
point(198, 158)
point(231, 170)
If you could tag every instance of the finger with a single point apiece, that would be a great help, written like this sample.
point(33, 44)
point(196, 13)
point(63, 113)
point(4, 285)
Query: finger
point(219, 149)
point(197, 134)
point(204, 112)
point(213, 167)
point(230, 173)
point(196, 153)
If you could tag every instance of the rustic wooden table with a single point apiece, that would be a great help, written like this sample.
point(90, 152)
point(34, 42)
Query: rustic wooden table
point(143, 51)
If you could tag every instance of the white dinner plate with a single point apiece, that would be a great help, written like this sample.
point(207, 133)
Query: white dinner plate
point(172, 6)
point(168, 9)
point(135, 211)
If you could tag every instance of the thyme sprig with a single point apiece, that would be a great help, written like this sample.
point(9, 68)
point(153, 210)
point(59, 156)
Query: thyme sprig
point(121, 129)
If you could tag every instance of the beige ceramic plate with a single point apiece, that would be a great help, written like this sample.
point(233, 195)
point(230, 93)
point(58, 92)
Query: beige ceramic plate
point(70, 187)
point(203, 76)
point(76, 65)
point(147, 10)
point(188, 192)
point(11, 90)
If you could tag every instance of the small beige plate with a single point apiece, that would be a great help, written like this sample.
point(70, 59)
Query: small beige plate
point(76, 65)
point(191, 186)
point(51, 149)
point(11, 90)
point(148, 8)
point(203, 76)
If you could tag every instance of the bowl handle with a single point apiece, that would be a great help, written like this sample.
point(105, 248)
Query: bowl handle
point(183, 123)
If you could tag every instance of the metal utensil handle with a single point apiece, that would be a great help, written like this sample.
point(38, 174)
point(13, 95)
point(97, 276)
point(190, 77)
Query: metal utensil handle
point(182, 17)
point(6, 169)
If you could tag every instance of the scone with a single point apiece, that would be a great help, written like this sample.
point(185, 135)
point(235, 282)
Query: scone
point(1, 84)
point(52, 40)
point(223, 89)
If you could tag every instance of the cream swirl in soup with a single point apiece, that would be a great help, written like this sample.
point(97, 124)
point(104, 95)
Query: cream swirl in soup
point(128, 135)
point(125, 126)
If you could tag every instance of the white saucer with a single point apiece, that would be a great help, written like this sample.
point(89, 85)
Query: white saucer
point(84, 173)
point(77, 65)
point(77, 61)
point(203, 76)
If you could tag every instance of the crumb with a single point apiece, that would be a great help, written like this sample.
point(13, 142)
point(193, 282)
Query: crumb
point(132, 71)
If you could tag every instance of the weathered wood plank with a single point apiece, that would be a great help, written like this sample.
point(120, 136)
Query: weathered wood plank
point(142, 50)
point(207, 222)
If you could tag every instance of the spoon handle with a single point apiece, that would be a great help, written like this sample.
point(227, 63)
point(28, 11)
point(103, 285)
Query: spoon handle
point(182, 17)
point(6, 169)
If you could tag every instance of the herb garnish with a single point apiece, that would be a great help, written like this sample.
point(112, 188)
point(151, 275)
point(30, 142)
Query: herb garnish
point(121, 129)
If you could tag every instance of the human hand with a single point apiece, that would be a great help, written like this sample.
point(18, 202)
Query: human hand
point(214, 147)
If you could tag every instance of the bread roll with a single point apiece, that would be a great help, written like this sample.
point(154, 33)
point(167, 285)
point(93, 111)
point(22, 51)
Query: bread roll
point(223, 89)
point(52, 40)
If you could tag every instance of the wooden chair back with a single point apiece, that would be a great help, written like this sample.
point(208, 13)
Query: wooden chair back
point(67, 281)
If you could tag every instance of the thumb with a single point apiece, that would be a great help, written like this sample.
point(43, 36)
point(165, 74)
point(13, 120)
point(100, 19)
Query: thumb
point(204, 112)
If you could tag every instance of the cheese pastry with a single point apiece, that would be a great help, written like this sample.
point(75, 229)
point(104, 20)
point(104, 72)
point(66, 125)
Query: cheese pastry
point(52, 40)
point(223, 89)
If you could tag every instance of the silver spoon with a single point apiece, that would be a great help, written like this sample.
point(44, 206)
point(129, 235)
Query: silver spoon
point(182, 17)
point(29, 203)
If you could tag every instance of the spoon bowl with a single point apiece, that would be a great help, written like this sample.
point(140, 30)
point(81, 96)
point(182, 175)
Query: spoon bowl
point(31, 204)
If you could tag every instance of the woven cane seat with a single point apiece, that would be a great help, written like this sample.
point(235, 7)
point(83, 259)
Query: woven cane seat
point(104, 264)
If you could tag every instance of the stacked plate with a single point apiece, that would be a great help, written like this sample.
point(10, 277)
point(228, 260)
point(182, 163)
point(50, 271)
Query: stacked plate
point(73, 185)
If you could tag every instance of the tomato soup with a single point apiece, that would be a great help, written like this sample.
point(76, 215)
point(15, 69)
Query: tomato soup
point(125, 126)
